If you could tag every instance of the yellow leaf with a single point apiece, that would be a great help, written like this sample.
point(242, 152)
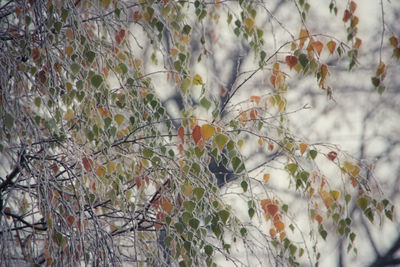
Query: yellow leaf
point(260, 141)
point(249, 23)
point(110, 166)
point(303, 37)
point(266, 177)
point(68, 50)
point(207, 131)
point(101, 171)
point(334, 194)
point(303, 148)
point(69, 115)
point(197, 80)
point(240, 143)
point(119, 119)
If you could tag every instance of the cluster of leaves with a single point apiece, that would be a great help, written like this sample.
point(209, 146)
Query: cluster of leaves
point(102, 174)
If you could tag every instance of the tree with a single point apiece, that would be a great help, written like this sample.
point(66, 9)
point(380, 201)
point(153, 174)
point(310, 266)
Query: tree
point(100, 169)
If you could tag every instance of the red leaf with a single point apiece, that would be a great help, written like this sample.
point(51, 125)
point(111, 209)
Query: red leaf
point(87, 163)
point(253, 114)
point(332, 155)
point(347, 15)
point(181, 134)
point(196, 133)
point(291, 61)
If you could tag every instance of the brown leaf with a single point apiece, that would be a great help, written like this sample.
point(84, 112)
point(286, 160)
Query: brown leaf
point(317, 46)
point(181, 134)
point(347, 15)
point(331, 46)
point(196, 133)
point(87, 163)
point(291, 61)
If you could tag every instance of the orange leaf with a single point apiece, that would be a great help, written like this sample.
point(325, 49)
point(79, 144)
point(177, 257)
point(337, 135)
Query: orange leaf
point(196, 133)
point(266, 178)
point(279, 226)
point(137, 16)
point(303, 148)
point(324, 71)
point(265, 203)
point(87, 163)
point(166, 205)
point(347, 15)
point(271, 147)
point(303, 37)
point(275, 68)
point(317, 46)
point(253, 114)
point(255, 99)
point(318, 218)
point(291, 61)
point(272, 232)
point(180, 148)
point(223, 91)
point(331, 46)
point(358, 43)
point(174, 52)
point(260, 141)
point(181, 134)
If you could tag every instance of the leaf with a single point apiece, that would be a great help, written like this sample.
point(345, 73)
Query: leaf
point(181, 134)
point(166, 205)
point(331, 46)
point(303, 60)
point(87, 163)
point(375, 81)
point(224, 215)
point(101, 171)
point(381, 69)
point(319, 219)
point(221, 140)
point(197, 80)
point(204, 102)
point(266, 177)
point(394, 41)
point(347, 15)
point(272, 209)
point(303, 37)
point(279, 226)
point(207, 131)
point(352, 6)
point(292, 168)
point(303, 148)
point(70, 220)
point(194, 223)
point(332, 155)
point(189, 205)
point(208, 250)
point(357, 43)
point(69, 115)
point(186, 29)
point(313, 154)
point(317, 46)
point(253, 114)
point(324, 71)
point(119, 119)
point(291, 61)
point(8, 121)
point(196, 134)
point(69, 33)
point(96, 80)
point(185, 84)
point(249, 23)
point(362, 203)
point(334, 194)
point(198, 192)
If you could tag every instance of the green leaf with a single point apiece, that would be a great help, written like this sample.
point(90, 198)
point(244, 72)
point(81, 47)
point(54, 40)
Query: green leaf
point(198, 192)
point(185, 85)
point(75, 68)
point(189, 205)
point(303, 60)
point(362, 203)
point(292, 167)
point(251, 212)
point(244, 185)
point(313, 154)
point(148, 153)
point(205, 103)
point(179, 227)
point(119, 119)
point(186, 29)
point(243, 231)
point(96, 80)
point(90, 56)
point(8, 121)
point(224, 215)
point(194, 223)
point(208, 250)
point(236, 163)
point(123, 68)
point(220, 140)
